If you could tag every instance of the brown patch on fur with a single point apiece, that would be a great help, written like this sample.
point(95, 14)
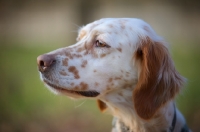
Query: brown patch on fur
point(58, 53)
point(83, 86)
point(72, 84)
point(68, 54)
point(127, 85)
point(74, 71)
point(102, 106)
point(76, 88)
point(103, 55)
point(96, 84)
point(117, 78)
point(108, 88)
point(84, 63)
point(95, 71)
point(119, 49)
point(89, 49)
point(76, 55)
point(85, 53)
point(110, 80)
point(63, 73)
point(158, 81)
point(82, 34)
point(80, 49)
point(65, 62)
point(88, 46)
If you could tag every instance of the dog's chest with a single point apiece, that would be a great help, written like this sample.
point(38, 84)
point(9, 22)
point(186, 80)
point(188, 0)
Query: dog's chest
point(119, 126)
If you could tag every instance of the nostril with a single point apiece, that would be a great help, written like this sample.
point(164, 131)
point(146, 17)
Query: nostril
point(41, 63)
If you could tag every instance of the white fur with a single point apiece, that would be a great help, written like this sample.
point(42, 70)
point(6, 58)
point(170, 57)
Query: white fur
point(113, 72)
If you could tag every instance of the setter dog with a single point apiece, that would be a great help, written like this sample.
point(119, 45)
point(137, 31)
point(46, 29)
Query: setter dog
point(124, 65)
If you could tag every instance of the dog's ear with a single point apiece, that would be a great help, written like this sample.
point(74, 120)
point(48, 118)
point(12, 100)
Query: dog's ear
point(102, 106)
point(158, 80)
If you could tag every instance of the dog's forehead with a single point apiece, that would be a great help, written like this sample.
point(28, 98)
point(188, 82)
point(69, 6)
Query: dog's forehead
point(107, 23)
point(116, 25)
point(102, 25)
point(101, 22)
point(94, 25)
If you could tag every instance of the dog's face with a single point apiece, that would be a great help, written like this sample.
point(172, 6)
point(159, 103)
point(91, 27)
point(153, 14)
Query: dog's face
point(114, 55)
point(101, 60)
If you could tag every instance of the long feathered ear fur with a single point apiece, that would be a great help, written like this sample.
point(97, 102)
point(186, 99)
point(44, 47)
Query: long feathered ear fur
point(158, 80)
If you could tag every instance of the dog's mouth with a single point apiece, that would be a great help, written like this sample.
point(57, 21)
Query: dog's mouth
point(82, 93)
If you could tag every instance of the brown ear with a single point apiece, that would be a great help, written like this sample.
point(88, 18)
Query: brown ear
point(102, 106)
point(158, 80)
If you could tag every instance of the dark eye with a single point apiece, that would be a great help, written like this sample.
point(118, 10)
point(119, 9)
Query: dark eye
point(101, 44)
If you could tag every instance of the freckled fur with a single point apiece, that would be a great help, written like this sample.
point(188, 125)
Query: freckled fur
point(119, 49)
point(73, 70)
point(63, 73)
point(83, 86)
point(135, 76)
point(65, 62)
point(81, 35)
point(103, 55)
point(84, 63)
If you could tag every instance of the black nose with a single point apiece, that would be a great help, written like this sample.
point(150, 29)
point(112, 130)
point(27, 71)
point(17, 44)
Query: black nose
point(45, 62)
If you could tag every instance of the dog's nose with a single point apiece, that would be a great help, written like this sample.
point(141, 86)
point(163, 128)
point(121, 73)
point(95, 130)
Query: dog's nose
point(45, 62)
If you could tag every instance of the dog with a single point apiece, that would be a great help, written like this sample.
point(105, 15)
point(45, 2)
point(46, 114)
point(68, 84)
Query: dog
point(126, 67)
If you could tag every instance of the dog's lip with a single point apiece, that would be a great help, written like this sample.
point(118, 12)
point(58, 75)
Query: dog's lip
point(82, 93)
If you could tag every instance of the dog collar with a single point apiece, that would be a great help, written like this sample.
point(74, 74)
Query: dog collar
point(173, 121)
point(184, 128)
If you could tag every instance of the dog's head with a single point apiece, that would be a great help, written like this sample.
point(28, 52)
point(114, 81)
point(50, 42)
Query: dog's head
point(112, 55)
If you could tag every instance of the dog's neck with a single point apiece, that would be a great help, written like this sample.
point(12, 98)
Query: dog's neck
point(120, 105)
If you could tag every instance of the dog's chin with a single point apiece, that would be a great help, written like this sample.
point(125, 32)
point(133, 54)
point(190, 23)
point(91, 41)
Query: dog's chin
point(71, 93)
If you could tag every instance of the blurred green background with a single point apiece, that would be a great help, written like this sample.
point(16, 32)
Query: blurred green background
point(29, 28)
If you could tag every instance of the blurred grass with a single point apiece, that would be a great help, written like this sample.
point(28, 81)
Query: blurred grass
point(26, 105)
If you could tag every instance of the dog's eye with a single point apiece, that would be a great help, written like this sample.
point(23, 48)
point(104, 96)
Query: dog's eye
point(101, 44)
